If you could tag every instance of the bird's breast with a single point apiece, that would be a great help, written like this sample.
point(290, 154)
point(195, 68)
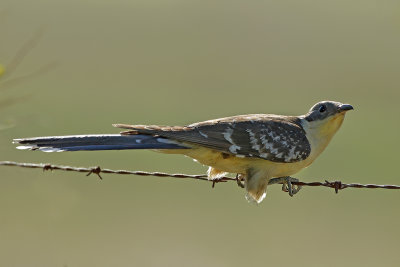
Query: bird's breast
point(233, 164)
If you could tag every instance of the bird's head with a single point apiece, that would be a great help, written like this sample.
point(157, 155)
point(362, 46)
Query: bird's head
point(327, 116)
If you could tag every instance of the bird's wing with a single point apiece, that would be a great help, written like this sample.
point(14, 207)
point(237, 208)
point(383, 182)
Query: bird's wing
point(274, 138)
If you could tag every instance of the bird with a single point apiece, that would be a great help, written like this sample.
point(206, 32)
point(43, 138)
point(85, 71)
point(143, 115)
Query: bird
point(262, 149)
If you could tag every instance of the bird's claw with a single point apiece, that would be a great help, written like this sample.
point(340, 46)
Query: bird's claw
point(240, 180)
point(287, 185)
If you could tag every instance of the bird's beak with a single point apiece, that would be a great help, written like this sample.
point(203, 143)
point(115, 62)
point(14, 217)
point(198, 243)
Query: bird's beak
point(345, 107)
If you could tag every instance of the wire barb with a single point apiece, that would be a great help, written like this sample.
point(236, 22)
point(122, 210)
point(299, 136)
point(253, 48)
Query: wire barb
point(95, 170)
point(336, 185)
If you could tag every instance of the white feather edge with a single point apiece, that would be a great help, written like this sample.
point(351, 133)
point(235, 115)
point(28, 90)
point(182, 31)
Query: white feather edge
point(44, 149)
point(16, 141)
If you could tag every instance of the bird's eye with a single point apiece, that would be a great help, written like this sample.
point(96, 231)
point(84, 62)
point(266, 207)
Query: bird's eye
point(322, 108)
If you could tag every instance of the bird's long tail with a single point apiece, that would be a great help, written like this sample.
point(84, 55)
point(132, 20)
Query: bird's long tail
point(96, 142)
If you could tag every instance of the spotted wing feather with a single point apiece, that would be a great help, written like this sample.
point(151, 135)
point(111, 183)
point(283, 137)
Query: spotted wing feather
point(277, 139)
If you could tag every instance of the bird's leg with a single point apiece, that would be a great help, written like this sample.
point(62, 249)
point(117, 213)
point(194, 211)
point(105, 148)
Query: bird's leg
point(240, 179)
point(286, 184)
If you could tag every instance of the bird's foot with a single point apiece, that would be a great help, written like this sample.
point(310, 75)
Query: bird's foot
point(240, 180)
point(287, 185)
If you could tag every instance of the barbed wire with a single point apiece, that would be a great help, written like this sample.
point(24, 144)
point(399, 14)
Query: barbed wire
point(337, 185)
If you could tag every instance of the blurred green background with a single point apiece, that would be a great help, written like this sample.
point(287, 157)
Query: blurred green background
point(177, 62)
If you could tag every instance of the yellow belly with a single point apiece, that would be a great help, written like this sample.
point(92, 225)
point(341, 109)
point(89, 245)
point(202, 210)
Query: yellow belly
point(233, 164)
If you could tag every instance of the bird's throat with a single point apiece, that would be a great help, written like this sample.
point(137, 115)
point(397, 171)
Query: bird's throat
point(320, 133)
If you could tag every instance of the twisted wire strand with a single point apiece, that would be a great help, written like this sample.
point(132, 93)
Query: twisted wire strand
point(337, 185)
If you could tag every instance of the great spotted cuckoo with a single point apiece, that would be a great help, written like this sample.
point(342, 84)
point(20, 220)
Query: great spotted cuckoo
point(261, 148)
